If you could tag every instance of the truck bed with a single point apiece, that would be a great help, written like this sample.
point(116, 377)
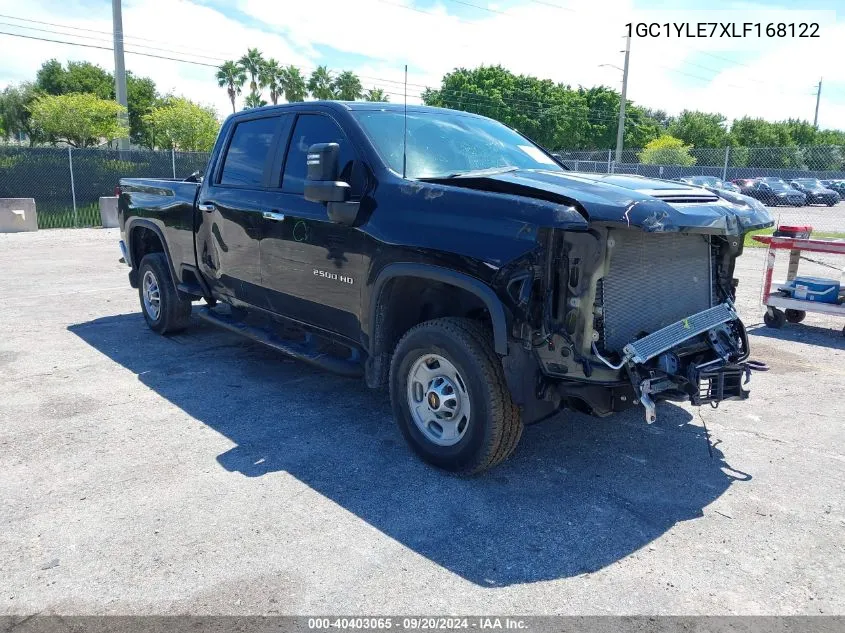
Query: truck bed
point(167, 204)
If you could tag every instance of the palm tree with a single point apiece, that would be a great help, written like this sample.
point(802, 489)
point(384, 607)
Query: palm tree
point(293, 84)
point(321, 84)
point(271, 77)
point(347, 86)
point(254, 100)
point(252, 63)
point(233, 77)
point(376, 94)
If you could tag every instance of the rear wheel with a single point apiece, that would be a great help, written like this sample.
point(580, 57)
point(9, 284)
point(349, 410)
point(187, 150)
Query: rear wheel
point(449, 396)
point(795, 316)
point(163, 309)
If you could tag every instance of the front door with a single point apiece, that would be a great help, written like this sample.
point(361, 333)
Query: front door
point(312, 267)
point(231, 207)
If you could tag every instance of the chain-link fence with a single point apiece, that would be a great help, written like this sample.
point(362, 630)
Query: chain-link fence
point(67, 183)
point(737, 164)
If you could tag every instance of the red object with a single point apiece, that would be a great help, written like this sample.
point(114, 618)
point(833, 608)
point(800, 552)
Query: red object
point(117, 190)
point(801, 232)
point(833, 247)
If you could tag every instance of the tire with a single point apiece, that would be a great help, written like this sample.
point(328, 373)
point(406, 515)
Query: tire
point(493, 423)
point(830, 204)
point(776, 319)
point(795, 316)
point(173, 313)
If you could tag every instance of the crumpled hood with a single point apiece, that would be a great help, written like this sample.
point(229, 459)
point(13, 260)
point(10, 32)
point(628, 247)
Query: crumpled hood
point(649, 204)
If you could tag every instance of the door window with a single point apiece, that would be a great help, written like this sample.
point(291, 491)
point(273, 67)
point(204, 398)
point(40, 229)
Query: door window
point(246, 157)
point(310, 129)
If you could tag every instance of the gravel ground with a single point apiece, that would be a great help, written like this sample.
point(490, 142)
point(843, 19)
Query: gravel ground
point(205, 474)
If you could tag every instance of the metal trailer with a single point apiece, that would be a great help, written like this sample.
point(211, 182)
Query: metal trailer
point(780, 309)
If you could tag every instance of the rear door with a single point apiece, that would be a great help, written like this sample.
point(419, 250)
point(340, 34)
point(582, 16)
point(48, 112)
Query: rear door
point(231, 207)
point(312, 267)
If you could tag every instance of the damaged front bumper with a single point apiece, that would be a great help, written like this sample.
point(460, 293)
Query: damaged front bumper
point(658, 371)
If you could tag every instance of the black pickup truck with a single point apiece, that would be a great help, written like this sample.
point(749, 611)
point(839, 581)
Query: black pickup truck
point(446, 256)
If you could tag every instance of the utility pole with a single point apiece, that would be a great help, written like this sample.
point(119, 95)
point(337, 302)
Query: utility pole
point(119, 68)
point(818, 98)
point(620, 132)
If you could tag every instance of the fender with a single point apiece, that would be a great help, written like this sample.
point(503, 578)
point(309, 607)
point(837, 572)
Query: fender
point(135, 223)
point(446, 276)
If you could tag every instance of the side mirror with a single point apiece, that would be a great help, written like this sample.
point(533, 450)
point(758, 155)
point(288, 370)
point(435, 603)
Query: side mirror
point(322, 185)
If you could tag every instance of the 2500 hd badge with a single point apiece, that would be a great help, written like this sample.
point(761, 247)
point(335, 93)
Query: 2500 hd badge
point(327, 275)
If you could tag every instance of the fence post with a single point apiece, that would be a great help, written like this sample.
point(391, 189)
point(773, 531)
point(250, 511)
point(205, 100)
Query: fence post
point(576, 165)
point(72, 187)
point(173, 160)
point(725, 168)
point(609, 154)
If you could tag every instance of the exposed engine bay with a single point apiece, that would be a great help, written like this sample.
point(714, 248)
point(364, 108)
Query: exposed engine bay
point(645, 316)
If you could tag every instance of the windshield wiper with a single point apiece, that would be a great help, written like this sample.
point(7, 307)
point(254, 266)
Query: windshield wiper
point(474, 173)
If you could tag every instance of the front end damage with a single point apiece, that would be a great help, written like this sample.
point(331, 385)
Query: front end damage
point(622, 315)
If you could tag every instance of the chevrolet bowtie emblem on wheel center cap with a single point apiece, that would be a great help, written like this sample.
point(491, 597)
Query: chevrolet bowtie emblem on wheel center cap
point(433, 400)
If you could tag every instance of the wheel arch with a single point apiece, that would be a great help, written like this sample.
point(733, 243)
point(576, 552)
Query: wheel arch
point(476, 287)
point(135, 232)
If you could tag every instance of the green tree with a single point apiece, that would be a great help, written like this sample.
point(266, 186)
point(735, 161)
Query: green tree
point(321, 84)
point(252, 63)
point(376, 94)
point(79, 77)
point(271, 77)
point(231, 76)
point(769, 144)
point(700, 129)
point(78, 119)
point(667, 150)
point(141, 97)
point(184, 125)
point(15, 102)
point(293, 84)
point(254, 100)
point(347, 86)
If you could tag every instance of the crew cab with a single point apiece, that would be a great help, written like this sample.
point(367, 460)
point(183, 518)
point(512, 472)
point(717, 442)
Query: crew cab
point(446, 257)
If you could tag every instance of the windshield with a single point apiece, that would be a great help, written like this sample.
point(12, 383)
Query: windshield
point(809, 182)
point(707, 180)
point(442, 144)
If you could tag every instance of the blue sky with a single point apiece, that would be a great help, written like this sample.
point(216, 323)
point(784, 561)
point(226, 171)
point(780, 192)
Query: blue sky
point(767, 77)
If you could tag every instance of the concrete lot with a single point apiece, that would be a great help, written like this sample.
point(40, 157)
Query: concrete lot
point(205, 474)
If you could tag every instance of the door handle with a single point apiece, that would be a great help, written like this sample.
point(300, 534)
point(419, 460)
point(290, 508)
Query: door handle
point(206, 207)
point(273, 215)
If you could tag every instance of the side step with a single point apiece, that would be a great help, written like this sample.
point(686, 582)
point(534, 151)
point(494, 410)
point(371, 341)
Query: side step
point(301, 351)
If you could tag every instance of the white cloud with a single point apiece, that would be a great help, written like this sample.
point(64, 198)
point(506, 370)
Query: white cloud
point(380, 36)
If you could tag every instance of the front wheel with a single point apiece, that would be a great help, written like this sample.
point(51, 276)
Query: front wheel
point(449, 396)
point(774, 320)
point(164, 311)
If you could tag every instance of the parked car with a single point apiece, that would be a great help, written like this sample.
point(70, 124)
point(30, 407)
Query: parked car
point(446, 257)
point(836, 185)
point(815, 191)
point(774, 191)
point(743, 183)
point(711, 183)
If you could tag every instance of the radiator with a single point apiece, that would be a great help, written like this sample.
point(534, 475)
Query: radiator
point(654, 280)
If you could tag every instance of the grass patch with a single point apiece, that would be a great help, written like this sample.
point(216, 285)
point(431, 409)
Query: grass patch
point(750, 243)
point(61, 217)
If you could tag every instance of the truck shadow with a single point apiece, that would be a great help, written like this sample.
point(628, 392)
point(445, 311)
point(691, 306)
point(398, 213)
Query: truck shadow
point(579, 494)
point(801, 333)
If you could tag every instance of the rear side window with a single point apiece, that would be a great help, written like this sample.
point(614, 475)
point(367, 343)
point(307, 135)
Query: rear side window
point(310, 129)
point(247, 153)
